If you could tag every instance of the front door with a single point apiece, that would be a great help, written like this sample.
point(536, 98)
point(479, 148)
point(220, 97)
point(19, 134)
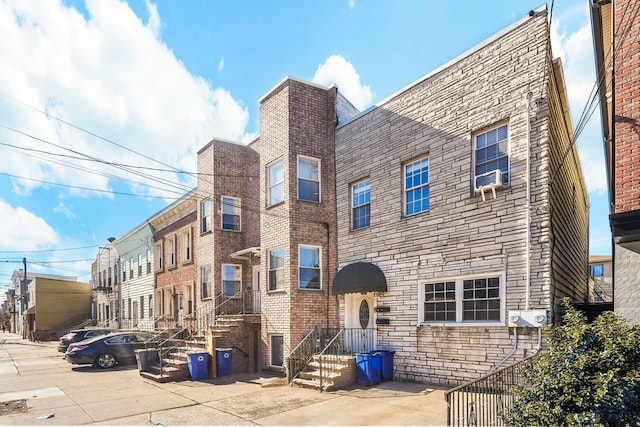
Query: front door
point(359, 322)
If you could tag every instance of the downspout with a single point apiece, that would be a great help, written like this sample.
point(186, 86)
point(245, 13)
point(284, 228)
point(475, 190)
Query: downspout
point(326, 225)
point(513, 350)
point(528, 207)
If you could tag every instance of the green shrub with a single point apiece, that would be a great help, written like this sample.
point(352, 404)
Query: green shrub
point(588, 376)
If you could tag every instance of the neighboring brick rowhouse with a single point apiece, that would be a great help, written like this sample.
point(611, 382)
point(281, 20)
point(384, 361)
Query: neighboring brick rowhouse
point(626, 108)
point(297, 119)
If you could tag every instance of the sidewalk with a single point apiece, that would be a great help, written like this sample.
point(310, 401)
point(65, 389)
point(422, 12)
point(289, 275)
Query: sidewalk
point(36, 374)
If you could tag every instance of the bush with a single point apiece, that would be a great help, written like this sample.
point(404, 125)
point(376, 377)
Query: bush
point(588, 376)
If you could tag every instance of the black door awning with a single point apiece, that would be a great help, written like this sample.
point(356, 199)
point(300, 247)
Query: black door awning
point(359, 277)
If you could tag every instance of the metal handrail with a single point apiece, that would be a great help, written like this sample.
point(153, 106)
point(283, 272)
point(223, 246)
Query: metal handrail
point(485, 400)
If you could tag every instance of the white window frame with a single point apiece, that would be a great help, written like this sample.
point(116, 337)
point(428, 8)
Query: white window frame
point(271, 185)
point(187, 245)
point(459, 300)
point(231, 206)
point(357, 203)
point(206, 284)
point(505, 172)
point(311, 179)
point(171, 243)
point(131, 265)
point(278, 272)
point(206, 209)
point(301, 267)
point(158, 248)
point(237, 279)
point(149, 259)
point(420, 186)
point(139, 264)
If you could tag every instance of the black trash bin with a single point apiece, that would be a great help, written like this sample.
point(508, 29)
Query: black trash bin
point(223, 361)
point(368, 365)
point(198, 365)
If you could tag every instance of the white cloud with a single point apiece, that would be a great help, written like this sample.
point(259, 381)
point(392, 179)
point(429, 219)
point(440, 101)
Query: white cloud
point(154, 23)
point(109, 74)
point(64, 210)
point(352, 4)
point(23, 231)
point(575, 48)
point(221, 64)
point(337, 70)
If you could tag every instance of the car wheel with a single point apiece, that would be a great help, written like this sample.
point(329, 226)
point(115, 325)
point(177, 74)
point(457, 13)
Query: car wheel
point(106, 360)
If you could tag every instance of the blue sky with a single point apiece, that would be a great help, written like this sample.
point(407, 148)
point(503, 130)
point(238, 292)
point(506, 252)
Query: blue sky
point(141, 84)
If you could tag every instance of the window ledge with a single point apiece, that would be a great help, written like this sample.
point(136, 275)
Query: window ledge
point(310, 290)
point(461, 324)
point(277, 291)
point(274, 205)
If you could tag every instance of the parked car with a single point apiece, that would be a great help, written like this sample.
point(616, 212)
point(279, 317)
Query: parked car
point(78, 335)
point(106, 351)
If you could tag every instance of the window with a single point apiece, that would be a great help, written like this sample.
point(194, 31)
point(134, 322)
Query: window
point(123, 268)
point(171, 243)
point(231, 279)
point(150, 306)
point(188, 303)
point(277, 350)
point(230, 213)
point(308, 179)
point(142, 306)
point(361, 204)
point(139, 265)
point(492, 152)
point(309, 267)
point(158, 255)
point(168, 302)
point(596, 270)
point(468, 300)
point(186, 245)
point(131, 267)
point(416, 187)
point(275, 174)
point(276, 269)
point(148, 261)
point(205, 284)
point(206, 216)
point(159, 306)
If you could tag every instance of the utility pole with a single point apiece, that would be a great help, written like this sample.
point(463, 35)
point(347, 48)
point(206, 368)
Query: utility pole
point(23, 295)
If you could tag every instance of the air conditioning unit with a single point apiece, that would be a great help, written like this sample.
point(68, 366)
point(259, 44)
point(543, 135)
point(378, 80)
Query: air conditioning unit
point(489, 179)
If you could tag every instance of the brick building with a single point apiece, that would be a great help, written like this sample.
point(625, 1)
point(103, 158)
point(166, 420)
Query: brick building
point(175, 262)
point(617, 55)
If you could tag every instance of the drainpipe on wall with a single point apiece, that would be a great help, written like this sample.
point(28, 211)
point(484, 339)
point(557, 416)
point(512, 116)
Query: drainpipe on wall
point(528, 205)
point(326, 225)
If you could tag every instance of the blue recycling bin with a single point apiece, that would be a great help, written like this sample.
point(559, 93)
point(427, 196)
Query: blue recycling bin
point(198, 365)
point(223, 361)
point(368, 365)
point(386, 364)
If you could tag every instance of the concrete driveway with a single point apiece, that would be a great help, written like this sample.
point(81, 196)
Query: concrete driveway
point(38, 387)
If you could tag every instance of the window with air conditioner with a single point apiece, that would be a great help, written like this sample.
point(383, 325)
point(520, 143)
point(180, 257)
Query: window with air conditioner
point(491, 154)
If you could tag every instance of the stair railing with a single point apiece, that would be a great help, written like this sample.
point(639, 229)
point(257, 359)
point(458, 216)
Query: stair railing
point(331, 356)
point(301, 354)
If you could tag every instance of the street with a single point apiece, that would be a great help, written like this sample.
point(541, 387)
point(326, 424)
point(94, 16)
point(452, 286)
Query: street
point(38, 387)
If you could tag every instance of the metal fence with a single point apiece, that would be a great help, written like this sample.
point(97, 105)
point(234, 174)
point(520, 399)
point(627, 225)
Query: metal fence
point(484, 402)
